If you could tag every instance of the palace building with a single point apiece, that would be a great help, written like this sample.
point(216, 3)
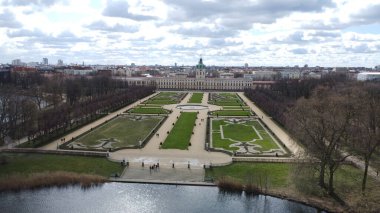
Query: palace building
point(182, 82)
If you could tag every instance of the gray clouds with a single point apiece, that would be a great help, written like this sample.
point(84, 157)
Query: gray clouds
point(120, 9)
point(8, 20)
point(102, 26)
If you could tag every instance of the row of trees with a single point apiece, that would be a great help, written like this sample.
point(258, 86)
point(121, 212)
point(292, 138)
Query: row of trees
point(47, 105)
point(284, 93)
point(328, 118)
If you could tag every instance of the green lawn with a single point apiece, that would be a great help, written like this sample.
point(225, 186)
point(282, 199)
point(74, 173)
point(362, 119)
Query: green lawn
point(179, 137)
point(32, 163)
point(123, 131)
point(164, 98)
point(148, 110)
point(196, 98)
point(232, 113)
point(240, 132)
point(277, 173)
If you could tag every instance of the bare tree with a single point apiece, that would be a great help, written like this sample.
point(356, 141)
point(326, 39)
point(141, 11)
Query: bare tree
point(320, 123)
point(366, 127)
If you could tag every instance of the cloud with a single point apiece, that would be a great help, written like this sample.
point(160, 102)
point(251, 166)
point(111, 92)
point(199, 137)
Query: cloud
point(40, 3)
point(120, 9)
point(102, 26)
point(299, 51)
point(368, 15)
point(25, 33)
point(203, 31)
point(8, 20)
point(241, 14)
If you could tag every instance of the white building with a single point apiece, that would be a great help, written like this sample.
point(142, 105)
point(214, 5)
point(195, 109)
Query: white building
point(200, 82)
point(368, 76)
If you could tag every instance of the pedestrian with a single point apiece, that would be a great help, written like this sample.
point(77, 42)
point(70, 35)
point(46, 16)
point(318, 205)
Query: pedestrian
point(377, 173)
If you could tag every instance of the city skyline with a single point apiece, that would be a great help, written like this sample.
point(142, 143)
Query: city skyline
point(260, 33)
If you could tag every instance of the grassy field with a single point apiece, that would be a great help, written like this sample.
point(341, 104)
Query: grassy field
point(225, 99)
point(26, 164)
point(232, 113)
point(241, 131)
point(148, 110)
point(277, 173)
point(179, 137)
point(164, 98)
point(196, 98)
point(300, 181)
point(122, 131)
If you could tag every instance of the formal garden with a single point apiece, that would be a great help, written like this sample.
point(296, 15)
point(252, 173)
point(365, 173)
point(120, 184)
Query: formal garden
point(231, 103)
point(225, 99)
point(246, 136)
point(124, 131)
point(164, 98)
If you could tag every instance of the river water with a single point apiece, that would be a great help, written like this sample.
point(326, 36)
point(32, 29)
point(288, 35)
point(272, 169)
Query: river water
point(128, 197)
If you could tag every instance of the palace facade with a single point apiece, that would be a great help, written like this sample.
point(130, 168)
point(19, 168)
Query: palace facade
point(200, 82)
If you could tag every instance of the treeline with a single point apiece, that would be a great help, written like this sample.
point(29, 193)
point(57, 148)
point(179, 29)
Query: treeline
point(327, 116)
point(284, 93)
point(38, 107)
point(346, 116)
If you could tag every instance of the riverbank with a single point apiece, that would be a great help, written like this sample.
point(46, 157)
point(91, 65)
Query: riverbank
point(298, 182)
point(49, 179)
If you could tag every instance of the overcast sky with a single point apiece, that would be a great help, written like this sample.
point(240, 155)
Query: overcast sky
point(224, 32)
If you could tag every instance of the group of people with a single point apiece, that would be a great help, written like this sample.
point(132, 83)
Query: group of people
point(154, 166)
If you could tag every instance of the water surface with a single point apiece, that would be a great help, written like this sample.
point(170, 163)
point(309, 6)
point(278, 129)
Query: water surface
point(122, 197)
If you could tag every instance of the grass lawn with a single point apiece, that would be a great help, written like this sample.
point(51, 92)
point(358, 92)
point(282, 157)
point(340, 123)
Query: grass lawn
point(31, 163)
point(242, 131)
point(302, 180)
point(179, 137)
point(123, 130)
point(239, 132)
point(232, 113)
point(196, 98)
point(277, 173)
point(164, 98)
point(148, 110)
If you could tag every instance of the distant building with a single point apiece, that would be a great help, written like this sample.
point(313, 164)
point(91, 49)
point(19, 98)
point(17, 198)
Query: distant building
point(45, 61)
point(16, 62)
point(5, 73)
point(246, 65)
point(60, 62)
point(368, 76)
point(181, 81)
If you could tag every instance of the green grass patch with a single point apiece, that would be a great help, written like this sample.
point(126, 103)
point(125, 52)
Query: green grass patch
point(148, 110)
point(196, 98)
point(26, 164)
point(179, 137)
point(123, 131)
point(231, 113)
point(245, 130)
point(276, 173)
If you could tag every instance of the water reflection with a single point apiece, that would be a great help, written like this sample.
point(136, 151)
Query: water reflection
point(119, 197)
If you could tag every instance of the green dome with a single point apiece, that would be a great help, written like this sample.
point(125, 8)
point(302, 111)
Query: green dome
point(200, 64)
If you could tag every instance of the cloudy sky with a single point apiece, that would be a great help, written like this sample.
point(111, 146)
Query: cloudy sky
point(224, 32)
